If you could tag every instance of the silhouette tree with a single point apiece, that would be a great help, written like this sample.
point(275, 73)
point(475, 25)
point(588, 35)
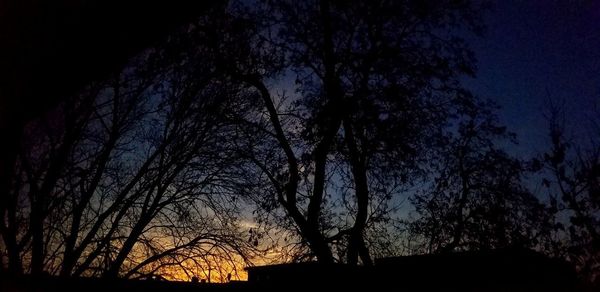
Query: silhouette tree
point(478, 199)
point(572, 177)
point(130, 177)
point(50, 51)
point(374, 83)
point(320, 113)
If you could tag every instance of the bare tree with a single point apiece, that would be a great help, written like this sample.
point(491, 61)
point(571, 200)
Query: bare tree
point(133, 180)
point(478, 198)
point(372, 82)
point(572, 178)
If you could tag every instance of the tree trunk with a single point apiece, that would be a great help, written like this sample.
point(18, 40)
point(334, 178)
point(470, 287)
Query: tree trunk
point(37, 236)
point(356, 244)
point(9, 235)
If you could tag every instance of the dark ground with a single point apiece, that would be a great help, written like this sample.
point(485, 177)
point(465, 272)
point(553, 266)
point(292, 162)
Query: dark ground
point(500, 270)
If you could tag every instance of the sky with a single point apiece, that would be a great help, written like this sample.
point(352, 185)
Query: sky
point(534, 51)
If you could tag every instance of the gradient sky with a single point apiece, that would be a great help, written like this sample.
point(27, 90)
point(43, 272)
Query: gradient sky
point(536, 50)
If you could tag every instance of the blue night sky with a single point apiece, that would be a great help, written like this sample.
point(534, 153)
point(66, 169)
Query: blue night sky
point(534, 51)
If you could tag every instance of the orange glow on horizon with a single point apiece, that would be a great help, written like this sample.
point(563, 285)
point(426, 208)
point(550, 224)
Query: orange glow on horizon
point(217, 270)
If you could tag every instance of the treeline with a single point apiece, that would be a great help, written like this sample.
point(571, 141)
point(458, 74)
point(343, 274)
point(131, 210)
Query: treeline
point(330, 130)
